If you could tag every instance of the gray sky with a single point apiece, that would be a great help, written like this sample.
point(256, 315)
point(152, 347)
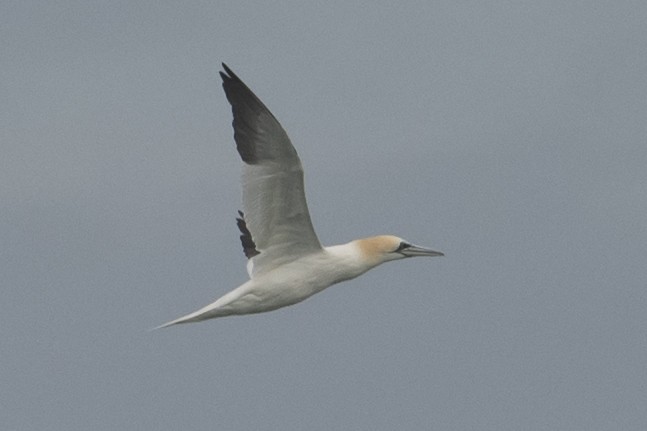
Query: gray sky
point(510, 135)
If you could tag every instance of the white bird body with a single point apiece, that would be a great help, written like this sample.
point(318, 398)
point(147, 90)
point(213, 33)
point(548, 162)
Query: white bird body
point(287, 264)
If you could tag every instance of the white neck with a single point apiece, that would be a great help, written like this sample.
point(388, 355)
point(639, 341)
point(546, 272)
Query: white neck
point(349, 260)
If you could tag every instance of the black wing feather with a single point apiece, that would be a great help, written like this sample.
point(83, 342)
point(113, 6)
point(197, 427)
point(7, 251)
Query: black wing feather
point(249, 248)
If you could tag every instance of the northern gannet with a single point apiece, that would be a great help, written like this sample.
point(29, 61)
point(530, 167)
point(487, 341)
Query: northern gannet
point(286, 262)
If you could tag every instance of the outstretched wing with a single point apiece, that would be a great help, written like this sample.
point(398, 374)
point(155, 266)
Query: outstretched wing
point(274, 203)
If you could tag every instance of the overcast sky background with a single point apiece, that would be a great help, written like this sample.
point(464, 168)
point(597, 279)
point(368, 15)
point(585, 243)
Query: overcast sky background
point(510, 135)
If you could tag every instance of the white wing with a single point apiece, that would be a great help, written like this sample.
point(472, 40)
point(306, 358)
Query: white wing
point(276, 213)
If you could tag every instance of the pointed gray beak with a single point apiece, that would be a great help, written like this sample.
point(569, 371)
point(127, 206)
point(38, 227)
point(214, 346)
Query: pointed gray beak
point(415, 250)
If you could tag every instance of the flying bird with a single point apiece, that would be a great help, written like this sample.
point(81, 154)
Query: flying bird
point(286, 262)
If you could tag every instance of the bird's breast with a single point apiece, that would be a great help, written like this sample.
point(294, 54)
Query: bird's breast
point(302, 278)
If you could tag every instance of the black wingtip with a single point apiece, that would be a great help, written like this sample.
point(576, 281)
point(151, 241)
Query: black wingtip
point(228, 74)
point(225, 76)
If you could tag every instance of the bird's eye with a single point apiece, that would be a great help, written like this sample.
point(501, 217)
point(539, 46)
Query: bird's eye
point(402, 246)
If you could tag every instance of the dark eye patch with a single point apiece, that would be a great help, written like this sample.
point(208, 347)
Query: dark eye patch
point(402, 246)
